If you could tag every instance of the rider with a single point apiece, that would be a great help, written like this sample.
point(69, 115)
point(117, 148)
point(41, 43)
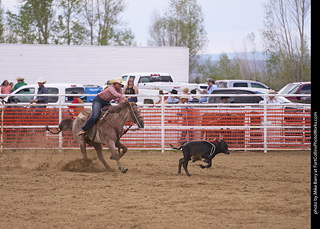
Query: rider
point(103, 98)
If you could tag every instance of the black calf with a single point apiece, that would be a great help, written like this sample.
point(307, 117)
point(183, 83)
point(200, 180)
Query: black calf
point(197, 150)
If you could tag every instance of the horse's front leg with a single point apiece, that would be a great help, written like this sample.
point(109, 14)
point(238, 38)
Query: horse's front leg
point(113, 149)
point(120, 146)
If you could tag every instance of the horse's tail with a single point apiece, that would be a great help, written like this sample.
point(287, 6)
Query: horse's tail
point(65, 125)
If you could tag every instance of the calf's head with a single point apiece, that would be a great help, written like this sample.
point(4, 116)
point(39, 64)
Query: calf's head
point(221, 146)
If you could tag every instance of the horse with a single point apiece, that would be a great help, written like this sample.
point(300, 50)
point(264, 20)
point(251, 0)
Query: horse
point(107, 130)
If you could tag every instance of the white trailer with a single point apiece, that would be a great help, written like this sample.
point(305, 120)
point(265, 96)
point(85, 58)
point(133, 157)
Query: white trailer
point(89, 64)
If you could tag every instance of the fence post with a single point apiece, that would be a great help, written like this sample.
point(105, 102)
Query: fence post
point(162, 124)
point(60, 119)
point(2, 111)
point(265, 144)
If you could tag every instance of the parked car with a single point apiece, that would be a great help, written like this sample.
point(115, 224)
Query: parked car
point(297, 88)
point(238, 99)
point(240, 83)
point(57, 88)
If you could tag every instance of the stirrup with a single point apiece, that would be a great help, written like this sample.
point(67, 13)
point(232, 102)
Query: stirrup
point(82, 132)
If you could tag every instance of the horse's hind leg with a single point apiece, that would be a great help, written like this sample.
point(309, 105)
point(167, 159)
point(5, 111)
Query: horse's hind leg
point(83, 149)
point(98, 148)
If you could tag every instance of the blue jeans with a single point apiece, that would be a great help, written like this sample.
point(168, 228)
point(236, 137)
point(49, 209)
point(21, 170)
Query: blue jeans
point(204, 100)
point(97, 104)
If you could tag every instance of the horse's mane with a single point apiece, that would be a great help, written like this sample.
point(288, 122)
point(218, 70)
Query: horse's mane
point(119, 107)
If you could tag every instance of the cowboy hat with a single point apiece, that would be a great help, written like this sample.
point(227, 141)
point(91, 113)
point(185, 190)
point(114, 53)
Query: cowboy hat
point(41, 80)
point(116, 80)
point(184, 97)
point(20, 78)
point(272, 92)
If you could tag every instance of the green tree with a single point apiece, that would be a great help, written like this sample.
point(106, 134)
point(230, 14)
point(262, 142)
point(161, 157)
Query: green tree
point(286, 41)
point(228, 69)
point(217, 70)
point(1, 23)
point(22, 26)
point(69, 27)
point(182, 25)
point(109, 24)
point(34, 21)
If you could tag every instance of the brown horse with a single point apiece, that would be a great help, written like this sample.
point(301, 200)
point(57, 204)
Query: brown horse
point(108, 132)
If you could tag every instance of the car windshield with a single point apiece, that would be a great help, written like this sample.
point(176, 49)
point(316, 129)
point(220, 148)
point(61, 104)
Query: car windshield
point(150, 79)
point(289, 89)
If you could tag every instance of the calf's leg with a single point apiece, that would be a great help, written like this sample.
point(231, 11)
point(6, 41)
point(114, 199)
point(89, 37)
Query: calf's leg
point(180, 164)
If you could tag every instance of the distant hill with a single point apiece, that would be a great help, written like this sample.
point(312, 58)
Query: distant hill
point(232, 55)
point(253, 58)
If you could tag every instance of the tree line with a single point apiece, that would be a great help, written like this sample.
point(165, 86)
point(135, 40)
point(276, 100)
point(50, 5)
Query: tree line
point(287, 56)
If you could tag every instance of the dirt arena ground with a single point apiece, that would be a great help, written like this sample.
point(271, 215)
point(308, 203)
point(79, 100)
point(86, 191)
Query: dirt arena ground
point(51, 189)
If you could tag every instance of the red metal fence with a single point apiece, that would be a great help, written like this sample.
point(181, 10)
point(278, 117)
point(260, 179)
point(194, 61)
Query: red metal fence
point(242, 128)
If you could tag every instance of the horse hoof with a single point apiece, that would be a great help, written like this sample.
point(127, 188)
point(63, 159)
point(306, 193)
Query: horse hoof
point(123, 169)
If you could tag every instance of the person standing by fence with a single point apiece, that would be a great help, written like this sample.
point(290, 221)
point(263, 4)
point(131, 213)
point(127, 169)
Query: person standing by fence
point(19, 84)
point(210, 88)
point(5, 88)
point(131, 89)
point(41, 90)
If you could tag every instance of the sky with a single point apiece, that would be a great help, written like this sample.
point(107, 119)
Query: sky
point(227, 22)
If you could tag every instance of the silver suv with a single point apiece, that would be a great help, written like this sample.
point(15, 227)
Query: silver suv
point(240, 83)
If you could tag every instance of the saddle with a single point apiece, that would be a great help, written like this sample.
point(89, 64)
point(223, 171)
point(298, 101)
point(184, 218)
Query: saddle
point(86, 114)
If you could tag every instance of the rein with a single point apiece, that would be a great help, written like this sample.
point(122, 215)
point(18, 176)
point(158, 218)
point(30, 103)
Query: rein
point(134, 115)
point(118, 134)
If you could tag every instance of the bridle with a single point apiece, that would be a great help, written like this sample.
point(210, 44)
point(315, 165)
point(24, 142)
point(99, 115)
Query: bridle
point(135, 117)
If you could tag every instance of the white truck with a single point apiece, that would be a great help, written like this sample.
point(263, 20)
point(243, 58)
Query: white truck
point(157, 81)
point(89, 64)
point(151, 82)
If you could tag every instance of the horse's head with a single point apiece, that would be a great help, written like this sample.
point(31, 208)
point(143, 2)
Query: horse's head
point(135, 114)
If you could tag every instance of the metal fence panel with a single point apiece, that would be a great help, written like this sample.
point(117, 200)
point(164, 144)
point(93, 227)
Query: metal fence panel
point(243, 127)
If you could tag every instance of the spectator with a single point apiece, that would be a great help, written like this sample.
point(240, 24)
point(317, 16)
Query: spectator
point(187, 119)
point(75, 110)
point(165, 98)
point(173, 99)
point(185, 91)
point(131, 89)
point(194, 99)
point(11, 85)
point(41, 90)
point(76, 99)
point(19, 84)
point(210, 88)
point(271, 100)
point(5, 88)
point(224, 99)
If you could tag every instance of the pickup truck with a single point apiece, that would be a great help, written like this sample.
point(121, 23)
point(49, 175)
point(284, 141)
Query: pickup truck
point(157, 81)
